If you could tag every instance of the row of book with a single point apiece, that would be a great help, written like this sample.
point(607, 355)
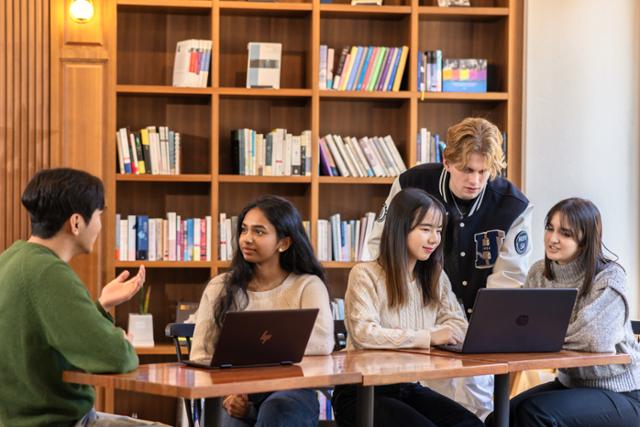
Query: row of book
point(430, 71)
point(363, 68)
point(430, 147)
point(364, 157)
point(227, 235)
point(344, 240)
point(278, 154)
point(191, 63)
point(173, 238)
point(151, 150)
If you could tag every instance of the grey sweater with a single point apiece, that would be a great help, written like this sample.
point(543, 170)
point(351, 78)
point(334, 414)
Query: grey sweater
point(599, 323)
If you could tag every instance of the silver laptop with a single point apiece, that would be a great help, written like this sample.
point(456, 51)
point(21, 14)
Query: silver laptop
point(517, 321)
point(257, 337)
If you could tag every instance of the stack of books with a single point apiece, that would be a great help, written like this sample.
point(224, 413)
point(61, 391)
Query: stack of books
point(191, 63)
point(152, 150)
point(363, 68)
point(464, 75)
point(430, 147)
point(139, 237)
point(344, 240)
point(364, 157)
point(278, 154)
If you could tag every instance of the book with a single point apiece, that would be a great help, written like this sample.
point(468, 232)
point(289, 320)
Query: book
point(263, 65)
point(191, 63)
point(464, 75)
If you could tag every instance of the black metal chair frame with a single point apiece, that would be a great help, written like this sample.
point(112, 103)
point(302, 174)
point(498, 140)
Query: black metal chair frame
point(178, 332)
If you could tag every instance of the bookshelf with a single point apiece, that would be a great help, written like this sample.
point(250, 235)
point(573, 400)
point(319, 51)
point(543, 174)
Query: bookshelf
point(147, 32)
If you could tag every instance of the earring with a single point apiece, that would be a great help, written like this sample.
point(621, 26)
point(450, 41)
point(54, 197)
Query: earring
point(281, 250)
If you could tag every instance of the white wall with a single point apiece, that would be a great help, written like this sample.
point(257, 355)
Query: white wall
point(582, 117)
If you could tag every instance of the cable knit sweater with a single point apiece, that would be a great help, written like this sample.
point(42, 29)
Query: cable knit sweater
point(371, 323)
point(297, 291)
point(599, 323)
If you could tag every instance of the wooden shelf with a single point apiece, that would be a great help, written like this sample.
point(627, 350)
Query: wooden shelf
point(264, 179)
point(347, 10)
point(356, 180)
point(460, 96)
point(169, 5)
point(462, 13)
point(353, 94)
point(338, 264)
point(163, 90)
point(267, 8)
point(164, 178)
point(159, 349)
point(164, 264)
point(267, 93)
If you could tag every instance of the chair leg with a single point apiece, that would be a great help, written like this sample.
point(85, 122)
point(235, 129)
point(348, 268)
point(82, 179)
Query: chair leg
point(187, 407)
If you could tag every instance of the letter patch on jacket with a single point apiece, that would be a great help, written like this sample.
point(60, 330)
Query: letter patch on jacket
point(488, 245)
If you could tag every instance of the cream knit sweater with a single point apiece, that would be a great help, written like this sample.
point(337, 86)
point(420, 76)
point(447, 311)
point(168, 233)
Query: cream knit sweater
point(297, 291)
point(371, 323)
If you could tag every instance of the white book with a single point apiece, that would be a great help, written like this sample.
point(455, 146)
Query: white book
point(259, 168)
point(288, 142)
point(124, 240)
point(343, 152)
point(322, 81)
point(120, 153)
point(230, 237)
point(278, 151)
point(178, 151)
point(356, 241)
point(386, 161)
point(181, 63)
point(378, 170)
point(365, 255)
point(263, 65)
point(171, 238)
point(179, 233)
point(355, 146)
point(336, 236)
point(296, 166)
point(134, 153)
point(164, 153)
point(223, 237)
point(208, 221)
point(196, 239)
point(341, 165)
point(354, 158)
point(152, 240)
point(126, 155)
point(159, 238)
point(131, 238)
point(424, 140)
point(395, 154)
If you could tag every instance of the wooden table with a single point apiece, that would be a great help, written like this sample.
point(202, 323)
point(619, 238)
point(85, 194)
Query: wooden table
point(364, 368)
point(518, 362)
point(392, 367)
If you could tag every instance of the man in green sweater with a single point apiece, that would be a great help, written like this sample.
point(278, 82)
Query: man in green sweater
point(48, 322)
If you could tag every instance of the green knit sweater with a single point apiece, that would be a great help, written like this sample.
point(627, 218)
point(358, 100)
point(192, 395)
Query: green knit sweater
point(48, 324)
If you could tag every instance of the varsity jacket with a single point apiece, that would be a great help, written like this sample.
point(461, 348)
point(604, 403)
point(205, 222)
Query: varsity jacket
point(488, 246)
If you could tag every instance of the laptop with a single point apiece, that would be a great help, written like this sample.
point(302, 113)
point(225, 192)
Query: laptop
point(517, 321)
point(257, 337)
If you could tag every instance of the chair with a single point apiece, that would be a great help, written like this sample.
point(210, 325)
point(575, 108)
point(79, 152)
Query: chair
point(181, 334)
point(339, 335)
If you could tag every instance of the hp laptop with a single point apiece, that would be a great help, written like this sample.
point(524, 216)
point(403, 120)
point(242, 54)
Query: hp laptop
point(517, 321)
point(271, 337)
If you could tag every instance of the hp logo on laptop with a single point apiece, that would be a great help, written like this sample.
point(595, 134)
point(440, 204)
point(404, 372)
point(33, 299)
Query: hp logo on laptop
point(266, 336)
point(522, 320)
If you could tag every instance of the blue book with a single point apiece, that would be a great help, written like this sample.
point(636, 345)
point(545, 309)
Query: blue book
point(188, 250)
point(394, 70)
point(354, 69)
point(367, 58)
point(142, 237)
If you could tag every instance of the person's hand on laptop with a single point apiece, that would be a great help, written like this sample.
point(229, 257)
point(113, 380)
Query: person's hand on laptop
point(237, 405)
point(443, 335)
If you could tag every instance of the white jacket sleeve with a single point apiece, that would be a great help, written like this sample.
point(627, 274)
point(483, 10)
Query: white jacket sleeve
point(510, 269)
point(373, 243)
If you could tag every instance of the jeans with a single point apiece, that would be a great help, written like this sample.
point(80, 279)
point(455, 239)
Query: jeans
point(101, 419)
point(554, 405)
point(405, 404)
point(279, 409)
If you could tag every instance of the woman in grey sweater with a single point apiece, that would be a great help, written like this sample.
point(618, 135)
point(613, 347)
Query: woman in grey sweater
point(596, 395)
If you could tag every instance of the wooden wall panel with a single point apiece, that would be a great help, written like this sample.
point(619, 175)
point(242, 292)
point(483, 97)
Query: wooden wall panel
point(24, 108)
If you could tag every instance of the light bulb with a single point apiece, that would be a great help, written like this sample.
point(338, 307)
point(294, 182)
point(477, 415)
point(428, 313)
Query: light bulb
point(81, 10)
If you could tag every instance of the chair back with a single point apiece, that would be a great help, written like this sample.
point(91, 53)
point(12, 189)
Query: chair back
point(635, 326)
point(180, 332)
point(339, 335)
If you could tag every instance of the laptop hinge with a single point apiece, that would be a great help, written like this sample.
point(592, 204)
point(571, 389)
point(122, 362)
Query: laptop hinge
point(225, 365)
point(286, 362)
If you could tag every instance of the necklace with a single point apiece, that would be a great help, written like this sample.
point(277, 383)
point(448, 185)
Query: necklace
point(455, 203)
point(271, 285)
